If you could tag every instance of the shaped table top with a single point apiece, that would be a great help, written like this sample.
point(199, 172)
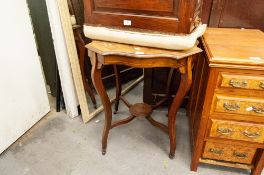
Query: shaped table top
point(109, 48)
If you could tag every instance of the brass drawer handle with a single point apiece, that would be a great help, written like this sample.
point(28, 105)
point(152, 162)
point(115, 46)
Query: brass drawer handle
point(231, 107)
point(251, 134)
point(240, 155)
point(261, 84)
point(258, 110)
point(216, 151)
point(224, 131)
point(238, 84)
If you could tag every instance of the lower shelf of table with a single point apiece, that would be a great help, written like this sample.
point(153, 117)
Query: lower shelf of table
point(140, 110)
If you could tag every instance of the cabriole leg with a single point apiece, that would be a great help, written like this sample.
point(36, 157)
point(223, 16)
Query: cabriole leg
point(185, 84)
point(97, 81)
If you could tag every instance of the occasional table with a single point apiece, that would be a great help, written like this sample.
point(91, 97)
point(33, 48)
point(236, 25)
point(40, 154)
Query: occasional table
point(107, 53)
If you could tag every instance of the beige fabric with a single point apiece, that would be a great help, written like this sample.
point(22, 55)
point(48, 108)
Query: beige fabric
point(172, 42)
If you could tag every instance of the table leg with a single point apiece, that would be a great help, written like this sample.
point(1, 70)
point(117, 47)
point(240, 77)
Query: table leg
point(118, 87)
point(259, 164)
point(87, 88)
point(185, 84)
point(97, 81)
point(169, 82)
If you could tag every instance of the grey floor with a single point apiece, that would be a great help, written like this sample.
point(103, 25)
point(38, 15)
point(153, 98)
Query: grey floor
point(59, 145)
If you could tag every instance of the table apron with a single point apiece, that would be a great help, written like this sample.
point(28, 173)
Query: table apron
point(143, 62)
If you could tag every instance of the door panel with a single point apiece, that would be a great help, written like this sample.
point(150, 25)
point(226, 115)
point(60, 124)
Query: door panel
point(23, 97)
point(176, 16)
point(243, 13)
point(147, 5)
point(235, 13)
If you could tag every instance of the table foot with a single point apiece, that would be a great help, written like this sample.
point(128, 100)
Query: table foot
point(103, 152)
point(171, 156)
point(116, 107)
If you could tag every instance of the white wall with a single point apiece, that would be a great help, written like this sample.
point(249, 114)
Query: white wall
point(23, 97)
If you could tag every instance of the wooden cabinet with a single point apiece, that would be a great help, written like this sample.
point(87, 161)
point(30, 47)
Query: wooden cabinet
point(215, 13)
point(234, 14)
point(226, 106)
point(176, 16)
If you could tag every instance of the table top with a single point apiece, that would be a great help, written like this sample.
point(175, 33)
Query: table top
point(109, 48)
point(234, 46)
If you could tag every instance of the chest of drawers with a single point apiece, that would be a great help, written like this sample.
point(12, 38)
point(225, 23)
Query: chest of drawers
point(226, 108)
point(176, 16)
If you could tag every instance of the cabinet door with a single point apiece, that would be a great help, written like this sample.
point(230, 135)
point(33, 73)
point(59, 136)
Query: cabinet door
point(143, 5)
point(237, 14)
point(157, 15)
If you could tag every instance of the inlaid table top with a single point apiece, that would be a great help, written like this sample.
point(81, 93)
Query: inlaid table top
point(109, 48)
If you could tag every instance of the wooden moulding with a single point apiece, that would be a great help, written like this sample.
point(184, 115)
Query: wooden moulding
point(228, 164)
point(73, 57)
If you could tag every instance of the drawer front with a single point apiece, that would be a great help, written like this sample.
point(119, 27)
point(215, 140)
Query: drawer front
point(238, 105)
point(231, 153)
point(237, 131)
point(238, 81)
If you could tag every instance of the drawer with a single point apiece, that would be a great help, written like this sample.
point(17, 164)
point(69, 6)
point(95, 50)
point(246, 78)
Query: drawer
point(237, 130)
point(232, 80)
point(230, 153)
point(238, 105)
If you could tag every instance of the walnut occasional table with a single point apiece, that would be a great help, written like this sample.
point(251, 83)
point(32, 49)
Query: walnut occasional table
point(107, 53)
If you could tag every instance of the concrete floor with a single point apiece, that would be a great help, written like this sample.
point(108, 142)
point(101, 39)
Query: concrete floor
point(59, 145)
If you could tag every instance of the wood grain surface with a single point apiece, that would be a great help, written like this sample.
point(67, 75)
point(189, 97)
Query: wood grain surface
point(230, 153)
point(235, 46)
point(237, 130)
point(109, 48)
point(238, 105)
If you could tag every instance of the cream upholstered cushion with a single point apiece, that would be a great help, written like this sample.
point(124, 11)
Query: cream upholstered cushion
point(172, 42)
